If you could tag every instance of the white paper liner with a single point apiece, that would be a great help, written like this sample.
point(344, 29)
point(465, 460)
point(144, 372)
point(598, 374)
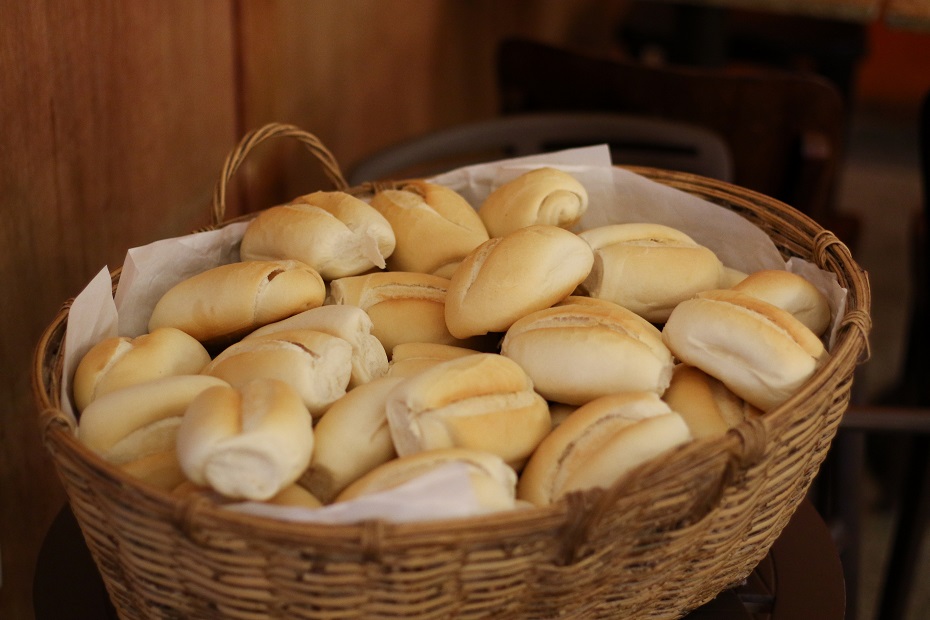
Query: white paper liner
point(616, 196)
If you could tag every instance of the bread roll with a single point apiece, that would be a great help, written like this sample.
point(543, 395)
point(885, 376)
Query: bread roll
point(403, 306)
point(246, 443)
point(492, 481)
point(759, 351)
point(421, 211)
point(223, 304)
point(317, 365)
point(411, 358)
point(731, 277)
point(480, 402)
point(543, 196)
point(577, 352)
point(136, 421)
point(119, 362)
point(335, 233)
point(648, 268)
point(352, 324)
point(509, 277)
point(599, 443)
point(158, 469)
point(708, 407)
point(792, 292)
point(352, 438)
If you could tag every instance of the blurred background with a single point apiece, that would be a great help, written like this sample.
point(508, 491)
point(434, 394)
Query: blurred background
point(116, 117)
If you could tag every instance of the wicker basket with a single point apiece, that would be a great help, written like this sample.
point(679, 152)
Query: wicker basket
point(663, 541)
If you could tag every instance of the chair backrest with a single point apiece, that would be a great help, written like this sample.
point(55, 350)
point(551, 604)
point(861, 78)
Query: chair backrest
point(785, 130)
point(633, 140)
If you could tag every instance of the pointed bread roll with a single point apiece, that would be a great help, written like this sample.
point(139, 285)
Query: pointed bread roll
point(708, 407)
point(648, 268)
point(759, 351)
point(480, 402)
point(543, 196)
point(247, 443)
point(493, 481)
point(220, 305)
point(599, 443)
point(506, 278)
point(352, 324)
point(136, 421)
point(421, 211)
point(317, 365)
point(119, 362)
point(792, 292)
point(335, 233)
point(577, 352)
point(352, 438)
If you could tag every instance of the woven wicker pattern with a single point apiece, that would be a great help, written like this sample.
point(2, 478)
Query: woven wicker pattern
point(663, 541)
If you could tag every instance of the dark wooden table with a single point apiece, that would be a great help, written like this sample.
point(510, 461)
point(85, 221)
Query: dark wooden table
point(800, 578)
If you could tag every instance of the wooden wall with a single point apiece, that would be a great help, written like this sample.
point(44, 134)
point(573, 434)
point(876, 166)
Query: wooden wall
point(115, 119)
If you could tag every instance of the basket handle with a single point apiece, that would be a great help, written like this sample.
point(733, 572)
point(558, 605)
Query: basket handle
point(256, 137)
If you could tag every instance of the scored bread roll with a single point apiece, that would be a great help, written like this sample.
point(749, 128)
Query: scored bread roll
point(352, 324)
point(403, 306)
point(411, 358)
point(352, 438)
point(142, 419)
point(648, 268)
point(224, 303)
point(599, 443)
point(492, 481)
point(317, 365)
point(118, 362)
point(577, 352)
point(246, 443)
point(708, 407)
point(509, 277)
point(792, 292)
point(421, 211)
point(334, 232)
point(481, 402)
point(759, 351)
point(543, 196)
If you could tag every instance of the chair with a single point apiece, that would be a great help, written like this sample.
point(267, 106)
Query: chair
point(785, 130)
point(633, 140)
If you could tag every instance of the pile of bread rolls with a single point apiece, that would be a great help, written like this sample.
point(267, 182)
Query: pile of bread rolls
point(359, 343)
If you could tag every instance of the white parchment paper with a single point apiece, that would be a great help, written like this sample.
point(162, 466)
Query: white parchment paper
point(616, 196)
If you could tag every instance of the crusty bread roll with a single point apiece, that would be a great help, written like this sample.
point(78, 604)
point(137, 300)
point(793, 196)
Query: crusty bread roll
point(708, 407)
point(119, 362)
point(492, 480)
point(577, 352)
point(352, 438)
point(317, 365)
point(509, 277)
point(481, 402)
point(543, 196)
point(435, 227)
point(159, 469)
point(136, 421)
point(352, 324)
point(599, 443)
point(223, 304)
point(759, 351)
point(246, 443)
point(792, 292)
point(411, 358)
point(334, 232)
point(403, 306)
point(648, 268)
